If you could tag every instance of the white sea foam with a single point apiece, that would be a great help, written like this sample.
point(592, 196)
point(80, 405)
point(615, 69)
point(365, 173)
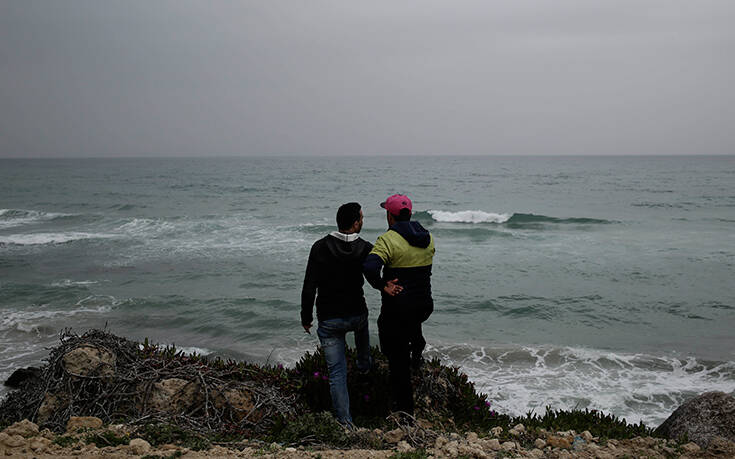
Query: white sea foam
point(468, 216)
point(71, 283)
point(637, 387)
point(10, 218)
point(33, 320)
point(50, 238)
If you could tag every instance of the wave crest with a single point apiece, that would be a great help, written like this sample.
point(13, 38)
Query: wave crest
point(515, 219)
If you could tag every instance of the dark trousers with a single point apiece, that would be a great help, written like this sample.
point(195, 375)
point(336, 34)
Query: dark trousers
point(399, 340)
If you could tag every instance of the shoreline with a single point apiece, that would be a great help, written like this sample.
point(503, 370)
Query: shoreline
point(127, 395)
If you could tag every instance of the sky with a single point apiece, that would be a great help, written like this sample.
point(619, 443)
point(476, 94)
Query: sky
point(105, 78)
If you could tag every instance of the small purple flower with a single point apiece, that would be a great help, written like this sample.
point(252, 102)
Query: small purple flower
point(366, 397)
point(476, 408)
point(487, 404)
point(316, 374)
point(324, 377)
point(280, 366)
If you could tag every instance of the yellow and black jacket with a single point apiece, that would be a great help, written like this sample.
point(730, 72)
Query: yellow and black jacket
point(405, 252)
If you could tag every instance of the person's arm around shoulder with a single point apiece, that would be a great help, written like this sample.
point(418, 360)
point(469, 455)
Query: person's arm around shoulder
point(308, 291)
point(379, 256)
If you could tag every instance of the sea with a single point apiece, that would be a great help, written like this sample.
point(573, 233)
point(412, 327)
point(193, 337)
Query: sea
point(604, 283)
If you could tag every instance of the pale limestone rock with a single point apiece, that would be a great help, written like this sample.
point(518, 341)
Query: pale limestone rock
point(139, 446)
point(40, 444)
point(508, 446)
point(539, 443)
point(51, 403)
point(558, 442)
point(46, 433)
point(587, 436)
point(393, 436)
point(87, 360)
point(535, 453)
point(173, 395)
point(12, 441)
point(496, 431)
point(564, 454)
point(472, 437)
point(78, 422)
point(691, 447)
point(404, 447)
point(493, 444)
point(24, 428)
point(441, 440)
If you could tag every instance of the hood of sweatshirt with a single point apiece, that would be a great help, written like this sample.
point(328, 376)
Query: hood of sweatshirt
point(344, 250)
point(415, 234)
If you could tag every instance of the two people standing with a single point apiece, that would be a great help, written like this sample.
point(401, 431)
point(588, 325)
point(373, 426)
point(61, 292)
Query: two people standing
point(399, 265)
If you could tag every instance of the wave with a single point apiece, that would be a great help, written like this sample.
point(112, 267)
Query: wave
point(50, 238)
point(39, 320)
point(637, 387)
point(17, 217)
point(467, 216)
point(479, 216)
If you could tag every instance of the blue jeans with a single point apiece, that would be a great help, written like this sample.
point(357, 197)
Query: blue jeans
point(331, 334)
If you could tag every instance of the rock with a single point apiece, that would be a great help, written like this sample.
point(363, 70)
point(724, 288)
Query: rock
point(472, 437)
point(451, 449)
point(558, 442)
point(440, 441)
point(78, 422)
point(519, 428)
point(701, 419)
point(496, 431)
point(404, 447)
point(722, 447)
point(88, 360)
point(539, 443)
point(536, 453)
point(241, 401)
point(690, 447)
point(508, 446)
point(587, 436)
point(139, 446)
point(47, 434)
point(12, 441)
point(23, 375)
point(51, 403)
point(173, 395)
point(40, 444)
point(24, 428)
point(393, 436)
point(493, 444)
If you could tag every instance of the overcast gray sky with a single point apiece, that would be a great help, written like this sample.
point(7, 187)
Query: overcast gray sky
point(176, 77)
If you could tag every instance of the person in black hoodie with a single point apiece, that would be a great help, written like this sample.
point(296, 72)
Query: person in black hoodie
point(334, 276)
point(405, 254)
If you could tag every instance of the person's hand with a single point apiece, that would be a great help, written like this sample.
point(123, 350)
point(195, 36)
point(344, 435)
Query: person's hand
point(391, 288)
point(306, 328)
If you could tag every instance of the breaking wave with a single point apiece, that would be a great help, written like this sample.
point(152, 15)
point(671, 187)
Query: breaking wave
point(638, 387)
point(518, 219)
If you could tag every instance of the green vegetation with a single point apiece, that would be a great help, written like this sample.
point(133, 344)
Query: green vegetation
point(65, 440)
point(415, 454)
point(107, 438)
point(161, 434)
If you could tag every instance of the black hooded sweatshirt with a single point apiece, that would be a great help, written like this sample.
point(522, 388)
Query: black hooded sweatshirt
point(334, 276)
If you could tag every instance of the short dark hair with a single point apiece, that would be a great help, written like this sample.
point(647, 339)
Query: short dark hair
point(347, 215)
point(403, 216)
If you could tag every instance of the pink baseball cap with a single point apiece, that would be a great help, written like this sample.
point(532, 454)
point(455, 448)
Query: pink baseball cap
point(394, 204)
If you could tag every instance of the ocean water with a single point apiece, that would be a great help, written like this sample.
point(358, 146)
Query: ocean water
point(588, 282)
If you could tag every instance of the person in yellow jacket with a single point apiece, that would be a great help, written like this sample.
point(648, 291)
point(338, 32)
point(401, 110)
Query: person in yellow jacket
point(404, 254)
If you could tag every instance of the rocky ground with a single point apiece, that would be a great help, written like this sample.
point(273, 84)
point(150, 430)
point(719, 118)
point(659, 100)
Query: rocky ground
point(88, 437)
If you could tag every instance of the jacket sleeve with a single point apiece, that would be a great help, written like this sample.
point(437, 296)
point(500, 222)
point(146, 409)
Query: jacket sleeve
point(376, 259)
point(308, 291)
